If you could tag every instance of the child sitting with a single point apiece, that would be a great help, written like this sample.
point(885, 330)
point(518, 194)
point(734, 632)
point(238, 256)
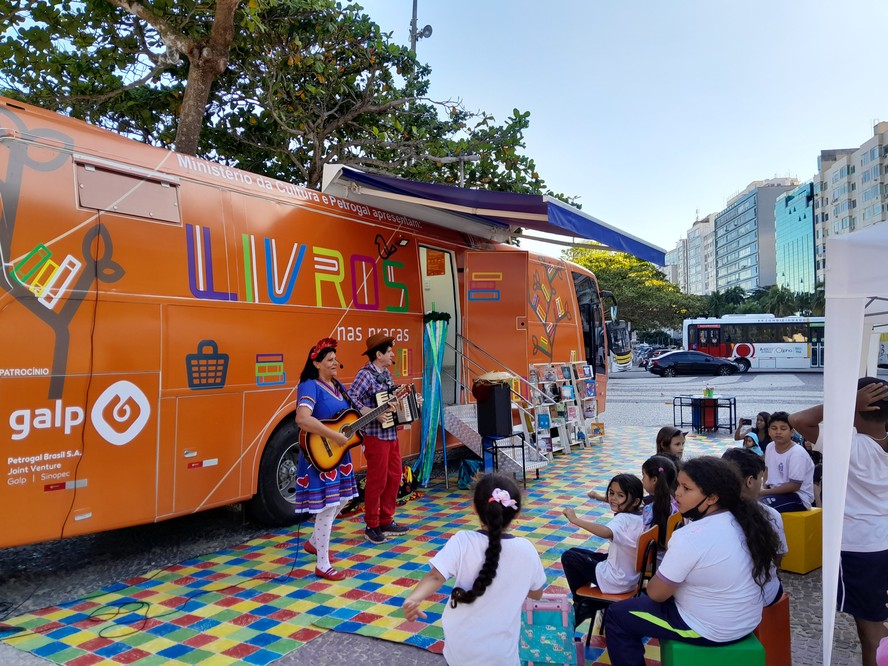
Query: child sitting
point(752, 471)
point(790, 482)
point(494, 572)
point(671, 443)
point(658, 480)
point(613, 572)
point(751, 442)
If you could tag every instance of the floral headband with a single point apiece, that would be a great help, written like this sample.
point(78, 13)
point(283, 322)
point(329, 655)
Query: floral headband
point(503, 497)
point(326, 343)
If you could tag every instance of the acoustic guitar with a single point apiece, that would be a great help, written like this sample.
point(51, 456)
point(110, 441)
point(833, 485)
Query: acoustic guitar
point(325, 454)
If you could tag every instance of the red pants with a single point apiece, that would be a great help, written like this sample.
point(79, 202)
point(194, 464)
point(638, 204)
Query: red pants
point(383, 480)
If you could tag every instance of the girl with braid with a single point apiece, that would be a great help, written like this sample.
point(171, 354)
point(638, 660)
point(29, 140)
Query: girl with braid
point(494, 572)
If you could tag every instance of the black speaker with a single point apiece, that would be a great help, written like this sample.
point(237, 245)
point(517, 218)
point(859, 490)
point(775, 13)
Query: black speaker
point(495, 411)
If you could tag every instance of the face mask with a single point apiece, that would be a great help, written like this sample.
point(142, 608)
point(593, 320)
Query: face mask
point(695, 513)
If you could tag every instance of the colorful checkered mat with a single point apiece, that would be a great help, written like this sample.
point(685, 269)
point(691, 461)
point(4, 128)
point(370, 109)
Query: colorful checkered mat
point(259, 601)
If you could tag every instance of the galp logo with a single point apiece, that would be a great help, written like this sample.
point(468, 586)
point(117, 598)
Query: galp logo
point(120, 413)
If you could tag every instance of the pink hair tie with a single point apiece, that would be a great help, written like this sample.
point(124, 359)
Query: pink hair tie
point(503, 497)
point(659, 469)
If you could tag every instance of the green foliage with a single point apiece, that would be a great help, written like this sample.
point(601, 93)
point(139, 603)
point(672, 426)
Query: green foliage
point(306, 82)
point(644, 296)
point(779, 301)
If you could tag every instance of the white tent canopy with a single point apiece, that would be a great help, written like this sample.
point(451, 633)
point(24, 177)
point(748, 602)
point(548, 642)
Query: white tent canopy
point(856, 313)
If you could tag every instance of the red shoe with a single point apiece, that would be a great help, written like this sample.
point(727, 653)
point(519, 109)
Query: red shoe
point(330, 574)
point(309, 548)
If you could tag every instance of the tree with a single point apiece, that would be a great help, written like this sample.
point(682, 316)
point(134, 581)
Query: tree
point(644, 295)
point(279, 87)
point(118, 63)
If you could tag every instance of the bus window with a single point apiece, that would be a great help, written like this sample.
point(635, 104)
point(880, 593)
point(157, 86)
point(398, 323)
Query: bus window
point(593, 325)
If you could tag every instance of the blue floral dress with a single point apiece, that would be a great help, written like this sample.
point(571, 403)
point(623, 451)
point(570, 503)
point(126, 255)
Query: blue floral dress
point(315, 490)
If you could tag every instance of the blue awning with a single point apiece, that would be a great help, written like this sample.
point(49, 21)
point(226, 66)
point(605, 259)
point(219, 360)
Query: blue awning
point(494, 215)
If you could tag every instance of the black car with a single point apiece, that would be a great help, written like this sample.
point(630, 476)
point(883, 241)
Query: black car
point(690, 363)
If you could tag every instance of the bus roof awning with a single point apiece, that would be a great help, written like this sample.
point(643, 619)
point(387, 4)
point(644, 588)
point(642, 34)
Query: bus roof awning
point(492, 215)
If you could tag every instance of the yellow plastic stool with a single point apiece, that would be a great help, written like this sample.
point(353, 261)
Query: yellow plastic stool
point(804, 539)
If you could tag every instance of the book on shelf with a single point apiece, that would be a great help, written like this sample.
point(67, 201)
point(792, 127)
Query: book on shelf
point(543, 421)
point(533, 377)
point(596, 430)
point(573, 413)
point(550, 375)
point(565, 371)
point(587, 371)
point(545, 444)
point(567, 392)
point(590, 389)
point(589, 410)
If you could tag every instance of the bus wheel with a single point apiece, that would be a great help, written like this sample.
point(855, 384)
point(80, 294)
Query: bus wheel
point(276, 488)
point(742, 365)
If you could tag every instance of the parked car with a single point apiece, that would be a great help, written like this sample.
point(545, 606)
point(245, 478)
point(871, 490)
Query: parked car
point(690, 363)
point(652, 353)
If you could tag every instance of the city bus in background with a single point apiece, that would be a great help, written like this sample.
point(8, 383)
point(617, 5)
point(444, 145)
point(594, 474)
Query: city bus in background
point(620, 346)
point(759, 341)
point(156, 311)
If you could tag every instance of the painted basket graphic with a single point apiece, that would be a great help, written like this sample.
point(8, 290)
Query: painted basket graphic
point(207, 368)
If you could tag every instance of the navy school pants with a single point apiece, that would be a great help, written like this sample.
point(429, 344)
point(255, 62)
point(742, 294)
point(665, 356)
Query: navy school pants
point(628, 622)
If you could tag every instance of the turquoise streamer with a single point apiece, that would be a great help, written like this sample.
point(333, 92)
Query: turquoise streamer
point(432, 410)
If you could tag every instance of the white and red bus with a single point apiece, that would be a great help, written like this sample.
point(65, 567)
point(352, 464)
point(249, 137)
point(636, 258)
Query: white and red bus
point(759, 341)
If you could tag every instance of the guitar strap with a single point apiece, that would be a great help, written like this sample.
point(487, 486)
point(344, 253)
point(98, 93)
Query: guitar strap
point(345, 394)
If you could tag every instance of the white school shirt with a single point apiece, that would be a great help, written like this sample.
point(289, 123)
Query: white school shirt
point(486, 631)
point(771, 587)
point(617, 573)
point(865, 527)
point(716, 595)
point(795, 464)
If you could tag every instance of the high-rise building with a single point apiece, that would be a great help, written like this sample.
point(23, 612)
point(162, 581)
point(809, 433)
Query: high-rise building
point(744, 236)
point(851, 190)
point(701, 256)
point(676, 268)
point(794, 239)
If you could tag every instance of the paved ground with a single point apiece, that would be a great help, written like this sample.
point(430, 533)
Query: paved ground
point(635, 398)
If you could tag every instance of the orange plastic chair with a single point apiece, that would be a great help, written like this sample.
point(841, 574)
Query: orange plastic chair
point(645, 563)
point(671, 524)
point(774, 634)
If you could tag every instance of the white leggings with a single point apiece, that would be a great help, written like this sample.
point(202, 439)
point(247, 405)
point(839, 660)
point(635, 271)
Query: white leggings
point(320, 538)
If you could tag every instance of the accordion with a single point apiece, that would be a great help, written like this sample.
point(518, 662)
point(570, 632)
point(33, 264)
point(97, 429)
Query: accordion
point(406, 409)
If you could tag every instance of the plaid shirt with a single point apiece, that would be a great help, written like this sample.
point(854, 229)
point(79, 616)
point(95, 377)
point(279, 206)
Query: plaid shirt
point(363, 392)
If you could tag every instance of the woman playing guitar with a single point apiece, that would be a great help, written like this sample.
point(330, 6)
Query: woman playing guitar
point(323, 494)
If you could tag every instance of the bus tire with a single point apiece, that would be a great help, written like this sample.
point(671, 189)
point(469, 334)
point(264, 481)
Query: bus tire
point(742, 365)
point(275, 489)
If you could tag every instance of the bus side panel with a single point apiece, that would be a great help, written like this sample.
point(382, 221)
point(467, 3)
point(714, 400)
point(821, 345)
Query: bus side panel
point(495, 311)
point(49, 251)
point(319, 274)
point(552, 311)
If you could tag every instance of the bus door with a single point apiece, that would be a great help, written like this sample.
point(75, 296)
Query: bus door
point(496, 313)
point(439, 290)
point(817, 348)
point(709, 341)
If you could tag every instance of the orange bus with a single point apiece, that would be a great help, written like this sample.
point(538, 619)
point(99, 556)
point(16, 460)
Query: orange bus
point(156, 311)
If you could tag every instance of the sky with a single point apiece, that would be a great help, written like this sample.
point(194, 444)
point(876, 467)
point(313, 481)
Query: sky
point(653, 111)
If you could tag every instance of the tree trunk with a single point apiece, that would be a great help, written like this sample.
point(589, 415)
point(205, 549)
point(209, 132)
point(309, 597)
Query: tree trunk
point(207, 61)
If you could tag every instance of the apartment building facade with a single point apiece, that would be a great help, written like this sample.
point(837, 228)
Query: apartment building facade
point(745, 254)
point(851, 191)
